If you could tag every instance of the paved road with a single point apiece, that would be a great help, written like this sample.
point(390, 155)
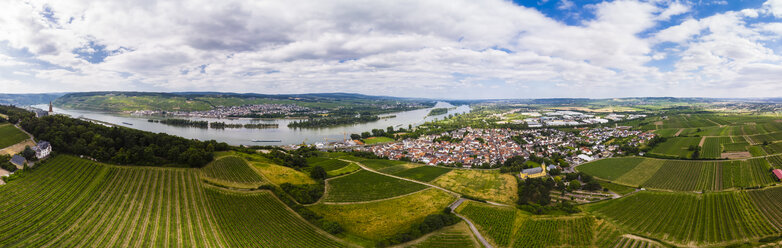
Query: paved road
point(453, 205)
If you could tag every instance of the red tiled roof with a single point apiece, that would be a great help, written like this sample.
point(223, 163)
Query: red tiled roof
point(778, 173)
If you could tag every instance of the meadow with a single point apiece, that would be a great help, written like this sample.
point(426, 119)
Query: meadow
point(377, 140)
point(423, 173)
point(489, 185)
point(676, 147)
point(11, 135)
point(367, 186)
point(382, 219)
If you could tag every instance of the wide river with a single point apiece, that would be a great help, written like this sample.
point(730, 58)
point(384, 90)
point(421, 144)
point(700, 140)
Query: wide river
point(244, 136)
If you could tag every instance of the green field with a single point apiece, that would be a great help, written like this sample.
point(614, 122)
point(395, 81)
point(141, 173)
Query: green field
point(262, 220)
point(610, 169)
point(712, 146)
point(489, 185)
point(683, 175)
point(367, 186)
point(71, 202)
point(350, 168)
point(548, 232)
point(676, 147)
point(377, 140)
point(328, 164)
point(494, 222)
point(11, 135)
point(382, 219)
point(685, 218)
point(668, 132)
point(768, 202)
point(423, 173)
point(232, 169)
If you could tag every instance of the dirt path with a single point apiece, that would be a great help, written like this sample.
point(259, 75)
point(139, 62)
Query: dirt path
point(678, 132)
point(469, 223)
point(402, 178)
point(371, 201)
point(326, 189)
point(703, 140)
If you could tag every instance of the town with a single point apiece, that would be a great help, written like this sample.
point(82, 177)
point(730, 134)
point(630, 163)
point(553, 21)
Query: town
point(469, 147)
point(254, 111)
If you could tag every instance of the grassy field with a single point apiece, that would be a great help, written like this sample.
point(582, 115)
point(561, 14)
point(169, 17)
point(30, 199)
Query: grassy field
point(378, 220)
point(328, 164)
point(712, 146)
point(685, 218)
point(610, 168)
point(489, 185)
point(262, 220)
point(377, 140)
point(458, 235)
point(423, 173)
point(676, 147)
point(547, 232)
point(366, 186)
point(767, 201)
point(351, 167)
point(276, 173)
point(11, 135)
point(232, 169)
point(668, 132)
point(641, 173)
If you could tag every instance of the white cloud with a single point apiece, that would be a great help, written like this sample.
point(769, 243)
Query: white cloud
point(409, 47)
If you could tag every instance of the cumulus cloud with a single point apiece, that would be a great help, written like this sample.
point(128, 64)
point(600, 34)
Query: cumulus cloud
point(422, 48)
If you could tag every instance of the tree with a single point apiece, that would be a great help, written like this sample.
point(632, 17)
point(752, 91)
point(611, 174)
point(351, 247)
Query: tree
point(318, 173)
point(574, 185)
point(390, 129)
point(28, 153)
point(354, 136)
point(365, 135)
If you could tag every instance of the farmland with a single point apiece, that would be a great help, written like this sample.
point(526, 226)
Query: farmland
point(261, 219)
point(278, 174)
point(684, 175)
point(367, 186)
point(328, 164)
point(767, 201)
point(495, 222)
point(547, 232)
point(681, 218)
point(381, 219)
point(423, 173)
point(712, 146)
point(489, 185)
point(232, 169)
point(677, 147)
point(377, 140)
point(11, 135)
point(458, 235)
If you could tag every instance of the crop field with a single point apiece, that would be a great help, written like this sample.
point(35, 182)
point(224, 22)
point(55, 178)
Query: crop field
point(757, 151)
point(682, 175)
point(769, 204)
point(366, 186)
point(382, 219)
point(489, 185)
point(677, 147)
point(423, 173)
point(232, 169)
point(11, 135)
point(775, 161)
point(712, 146)
point(750, 173)
point(328, 164)
point(773, 148)
point(606, 234)
point(735, 147)
point(494, 222)
point(458, 235)
point(668, 132)
point(574, 232)
point(685, 218)
point(641, 173)
point(610, 168)
point(769, 137)
point(626, 242)
point(262, 220)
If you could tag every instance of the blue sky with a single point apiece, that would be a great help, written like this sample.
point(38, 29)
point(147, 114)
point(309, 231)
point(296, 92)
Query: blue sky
point(417, 48)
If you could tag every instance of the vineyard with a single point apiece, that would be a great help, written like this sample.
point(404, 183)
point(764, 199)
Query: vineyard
point(262, 220)
point(328, 164)
point(494, 222)
point(366, 186)
point(575, 232)
point(712, 146)
point(683, 175)
point(677, 147)
point(684, 218)
point(768, 202)
point(489, 185)
point(232, 169)
point(458, 235)
point(423, 173)
point(776, 161)
point(11, 135)
point(626, 242)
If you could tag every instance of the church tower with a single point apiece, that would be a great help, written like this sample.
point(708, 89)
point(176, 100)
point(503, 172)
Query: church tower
point(50, 108)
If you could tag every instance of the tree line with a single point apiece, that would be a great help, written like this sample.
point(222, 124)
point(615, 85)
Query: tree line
point(120, 145)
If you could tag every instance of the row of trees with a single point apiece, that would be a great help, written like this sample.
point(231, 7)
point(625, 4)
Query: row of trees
point(333, 121)
point(120, 145)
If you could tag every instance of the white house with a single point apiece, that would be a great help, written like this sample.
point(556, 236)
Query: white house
point(42, 150)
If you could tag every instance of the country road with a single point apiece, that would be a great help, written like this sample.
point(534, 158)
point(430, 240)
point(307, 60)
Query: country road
point(453, 205)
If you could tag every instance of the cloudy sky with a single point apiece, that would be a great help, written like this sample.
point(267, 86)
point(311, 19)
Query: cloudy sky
point(418, 48)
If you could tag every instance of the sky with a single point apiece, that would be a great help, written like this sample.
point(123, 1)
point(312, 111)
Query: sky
point(459, 49)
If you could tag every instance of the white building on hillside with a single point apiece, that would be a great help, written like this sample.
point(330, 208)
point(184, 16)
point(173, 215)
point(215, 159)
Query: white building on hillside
point(42, 150)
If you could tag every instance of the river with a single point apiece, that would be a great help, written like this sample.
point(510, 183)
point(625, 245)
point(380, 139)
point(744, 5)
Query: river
point(245, 136)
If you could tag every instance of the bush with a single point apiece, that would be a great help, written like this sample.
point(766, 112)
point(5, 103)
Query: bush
point(304, 194)
point(318, 173)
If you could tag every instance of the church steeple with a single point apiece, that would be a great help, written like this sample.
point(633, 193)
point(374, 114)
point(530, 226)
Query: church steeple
point(50, 107)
